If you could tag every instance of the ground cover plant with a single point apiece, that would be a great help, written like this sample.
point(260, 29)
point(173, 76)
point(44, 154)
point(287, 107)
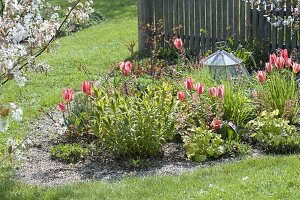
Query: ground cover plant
point(132, 112)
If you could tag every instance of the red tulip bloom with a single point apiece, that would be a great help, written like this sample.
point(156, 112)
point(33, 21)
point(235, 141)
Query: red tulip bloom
point(200, 88)
point(215, 124)
point(272, 58)
point(261, 76)
point(285, 54)
point(296, 68)
point(288, 62)
point(122, 66)
point(268, 67)
point(68, 95)
point(178, 43)
point(280, 63)
point(128, 64)
point(189, 83)
point(212, 91)
point(181, 96)
point(220, 91)
point(87, 88)
point(61, 107)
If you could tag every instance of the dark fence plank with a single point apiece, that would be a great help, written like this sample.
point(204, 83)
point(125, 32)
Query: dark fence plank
point(248, 19)
point(288, 31)
point(242, 21)
point(281, 29)
point(254, 21)
point(192, 25)
point(208, 25)
point(175, 11)
point(171, 24)
point(213, 22)
point(236, 20)
point(180, 18)
point(225, 18)
point(202, 16)
point(197, 26)
point(166, 19)
point(219, 20)
point(230, 17)
point(187, 23)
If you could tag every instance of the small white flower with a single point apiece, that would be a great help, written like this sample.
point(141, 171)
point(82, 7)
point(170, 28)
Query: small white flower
point(245, 178)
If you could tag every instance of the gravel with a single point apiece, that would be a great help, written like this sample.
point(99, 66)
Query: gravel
point(39, 169)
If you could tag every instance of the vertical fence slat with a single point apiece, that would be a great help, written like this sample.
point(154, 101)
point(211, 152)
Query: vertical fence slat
point(202, 13)
point(158, 17)
point(267, 27)
point(213, 22)
point(175, 10)
point(288, 31)
point(236, 20)
point(281, 30)
point(294, 40)
point(242, 21)
point(192, 25)
point(207, 21)
point(261, 22)
point(225, 18)
point(219, 20)
point(248, 19)
point(170, 14)
point(166, 19)
point(254, 21)
point(140, 21)
point(231, 16)
point(187, 23)
point(274, 37)
point(180, 18)
point(197, 26)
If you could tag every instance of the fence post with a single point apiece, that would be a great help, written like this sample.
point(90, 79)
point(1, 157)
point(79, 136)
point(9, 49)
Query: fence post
point(145, 16)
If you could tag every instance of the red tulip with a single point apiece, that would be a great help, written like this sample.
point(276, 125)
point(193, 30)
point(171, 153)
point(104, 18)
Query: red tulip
point(272, 58)
point(268, 67)
point(181, 96)
point(288, 62)
point(128, 64)
point(280, 63)
point(296, 68)
point(61, 107)
point(87, 88)
point(200, 88)
point(212, 91)
point(189, 83)
point(126, 70)
point(178, 43)
point(285, 54)
point(122, 66)
point(220, 91)
point(261, 76)
point(68, 95)
point(215, 124)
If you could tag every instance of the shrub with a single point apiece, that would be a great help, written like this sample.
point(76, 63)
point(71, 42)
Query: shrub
point(70, 153)
point(275, 134)
point(137, 125)
point(202, 144)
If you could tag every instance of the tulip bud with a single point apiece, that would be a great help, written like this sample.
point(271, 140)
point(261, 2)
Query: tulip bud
point(296, 68)
point(61, 107)
point(261, 76)
point(68, 95)
point(87, 88)
point(189, 83)
point(220, 91)
point(280, 63)
point(268, 67)
point(178, 43)
point(285, 54)
point(181, 96)
point(272, 58)
point(212, 91)
point(200, 88)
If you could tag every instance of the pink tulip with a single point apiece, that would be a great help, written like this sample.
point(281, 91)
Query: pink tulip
point(272, 58)
point(87, 88)
point(181, 96)
point(296, 68)
point(268, 67)
point(61, 107)
point(288, 62)
point(280, 63)
point(212, 91)
point(68, 95)
point(261, 76)
point(200, 88)
point(220, 91)
point(189, 83)
point(128, 64)
point(215, 124)
point(285, 54)
point(126, 70)
point(122, 66)
point(178, 43)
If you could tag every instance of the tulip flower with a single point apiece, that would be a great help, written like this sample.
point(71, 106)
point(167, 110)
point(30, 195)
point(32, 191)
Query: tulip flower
point(128, 64)
point(215, 124)
point(189, 83)
point(288, 62)
point(68, 95)
point(181, 96)
point(268, 67)
point(61, 107)
point(220, 91)
point(280, 63)
point(126, 70)
point(296, 68)
point(87, 88)
point(200, 88)
point(261, 76)
point(122, 66)
point(212, 91)
point(272, 58)
point(285, 54)
point(178, 43)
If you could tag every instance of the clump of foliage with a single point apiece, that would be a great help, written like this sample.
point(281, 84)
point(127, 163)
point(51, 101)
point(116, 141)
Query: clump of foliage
point(138, 125)
point(202, 144)
point(70, 153)
point(275, 134)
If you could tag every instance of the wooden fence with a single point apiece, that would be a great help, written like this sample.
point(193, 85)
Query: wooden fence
point(205, 22)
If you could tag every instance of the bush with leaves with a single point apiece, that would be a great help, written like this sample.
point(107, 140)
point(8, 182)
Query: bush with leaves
point(136, 125)
point(70, 153)
point(275, 134)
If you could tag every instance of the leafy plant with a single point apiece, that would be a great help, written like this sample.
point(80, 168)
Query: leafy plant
point(275, 134)
point(202, 144)
point(70, 153)
point(135, 126)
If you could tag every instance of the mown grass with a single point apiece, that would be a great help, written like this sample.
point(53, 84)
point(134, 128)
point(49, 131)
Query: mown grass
point(97, 48)
point(253, 178)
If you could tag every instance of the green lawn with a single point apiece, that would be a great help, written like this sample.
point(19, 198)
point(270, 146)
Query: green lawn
point(97, 48)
